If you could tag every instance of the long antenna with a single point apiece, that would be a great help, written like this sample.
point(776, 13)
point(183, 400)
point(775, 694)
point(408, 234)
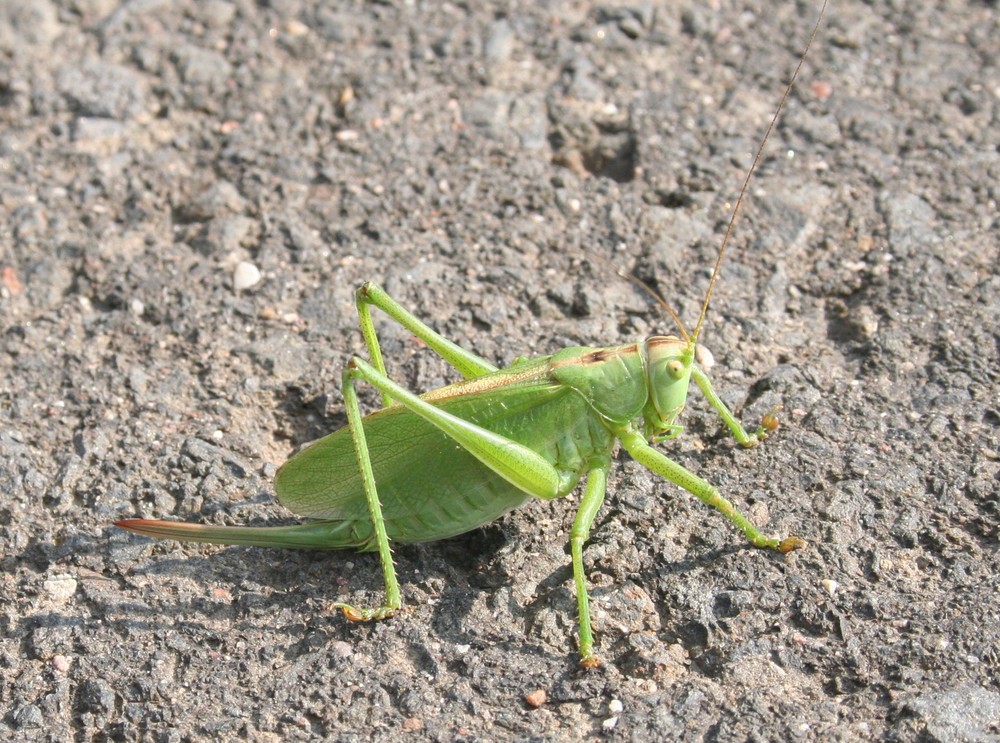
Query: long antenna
point(650, 291)
point(655, 296)
point(746, 181)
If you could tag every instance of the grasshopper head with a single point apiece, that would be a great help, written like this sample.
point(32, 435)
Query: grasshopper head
point(668, 371)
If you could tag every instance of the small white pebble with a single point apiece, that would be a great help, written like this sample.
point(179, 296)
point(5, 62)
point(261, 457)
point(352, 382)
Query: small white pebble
point(61, 663)
point(341, 649)
point(296, 28)
point(704, 357)
point(616, 707)
point(610, 723)
point(830, 585)
point(60, 587)
point(245, 275)
point(136, 307)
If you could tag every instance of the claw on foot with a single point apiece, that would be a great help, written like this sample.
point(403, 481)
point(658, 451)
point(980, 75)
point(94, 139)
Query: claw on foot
point(770, 421)
point(768, 425)
point(590, 662)
point(790, 543)
point(365, 615)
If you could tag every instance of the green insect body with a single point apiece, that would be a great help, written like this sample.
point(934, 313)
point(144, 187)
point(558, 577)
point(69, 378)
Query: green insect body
point(427, 467)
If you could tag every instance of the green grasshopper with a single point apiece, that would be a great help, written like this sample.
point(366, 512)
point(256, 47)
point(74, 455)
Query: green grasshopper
point(431, 466)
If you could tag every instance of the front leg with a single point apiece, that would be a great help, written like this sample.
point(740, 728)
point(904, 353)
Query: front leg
point(747, 440)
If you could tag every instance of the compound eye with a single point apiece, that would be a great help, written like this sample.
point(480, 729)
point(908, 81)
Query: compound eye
point(676, 368)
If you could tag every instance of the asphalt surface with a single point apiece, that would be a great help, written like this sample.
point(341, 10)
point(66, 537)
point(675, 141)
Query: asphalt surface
point(492, 165)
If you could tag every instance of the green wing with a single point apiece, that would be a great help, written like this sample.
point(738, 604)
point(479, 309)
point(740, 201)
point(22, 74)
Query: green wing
point(430, 487)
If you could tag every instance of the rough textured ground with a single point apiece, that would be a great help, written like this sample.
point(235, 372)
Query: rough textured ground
point(490, 163)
